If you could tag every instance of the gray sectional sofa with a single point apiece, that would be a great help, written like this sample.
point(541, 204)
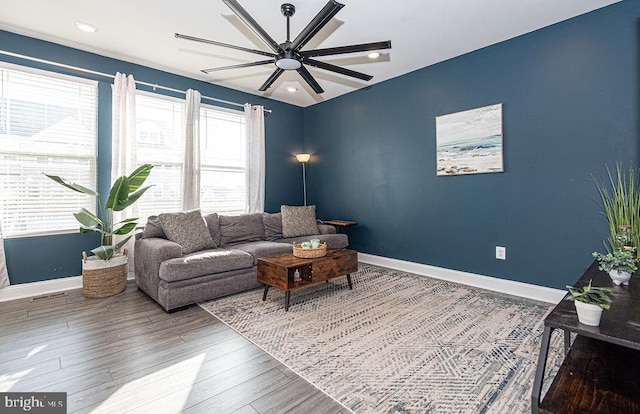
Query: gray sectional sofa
point(186, 270)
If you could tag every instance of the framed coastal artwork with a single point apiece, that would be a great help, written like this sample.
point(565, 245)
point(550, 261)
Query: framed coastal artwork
point(470, 142)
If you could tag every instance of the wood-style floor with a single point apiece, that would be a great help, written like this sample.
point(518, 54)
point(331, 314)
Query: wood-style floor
point(124, 354)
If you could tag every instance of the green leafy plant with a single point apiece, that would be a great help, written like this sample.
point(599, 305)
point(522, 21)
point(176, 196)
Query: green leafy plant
point(620, 260)
point(591, 295)
point(620, 195)
point(124, 192)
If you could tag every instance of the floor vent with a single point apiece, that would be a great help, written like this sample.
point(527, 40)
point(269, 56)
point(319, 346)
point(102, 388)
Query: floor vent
point(47, 297)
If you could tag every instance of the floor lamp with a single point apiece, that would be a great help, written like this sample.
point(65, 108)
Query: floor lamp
point(303, 159)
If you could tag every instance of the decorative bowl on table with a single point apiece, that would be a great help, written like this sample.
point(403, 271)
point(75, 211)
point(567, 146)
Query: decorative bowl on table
point(309, 252)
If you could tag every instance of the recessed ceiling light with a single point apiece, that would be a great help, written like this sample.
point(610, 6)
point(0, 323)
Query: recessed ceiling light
point(373, 55)
point(86, 27)
point(291, 89)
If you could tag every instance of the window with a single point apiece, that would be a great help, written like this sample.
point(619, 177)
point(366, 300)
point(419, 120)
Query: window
point(223, 161)
point(47, 124)
point(160, 141)
point(160, 129)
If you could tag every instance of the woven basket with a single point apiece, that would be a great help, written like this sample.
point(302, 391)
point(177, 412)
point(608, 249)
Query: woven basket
point(102, 278)
point(298, 251)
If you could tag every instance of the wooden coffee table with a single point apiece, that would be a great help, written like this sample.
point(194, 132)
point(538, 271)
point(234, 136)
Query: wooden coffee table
point(277, 271)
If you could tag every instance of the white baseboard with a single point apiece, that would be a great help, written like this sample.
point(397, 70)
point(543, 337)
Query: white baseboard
point(510, 287)
point(27, 290)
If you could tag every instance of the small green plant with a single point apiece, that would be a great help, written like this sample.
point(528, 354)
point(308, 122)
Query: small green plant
point(591, 295)
point(620, 260)
point(124, 192)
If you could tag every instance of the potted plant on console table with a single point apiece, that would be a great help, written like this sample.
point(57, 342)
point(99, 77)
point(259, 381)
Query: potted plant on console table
point(619, 264)
point(590, 302)
point(105, 273)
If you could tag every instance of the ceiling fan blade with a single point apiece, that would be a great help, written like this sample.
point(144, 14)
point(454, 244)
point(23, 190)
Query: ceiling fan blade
point(213, 42)
point(346, 49)
point(241, 65)
point(274, 76)
point(322, 18)
point(338, 69)
point(309, 79)
point(253, 25)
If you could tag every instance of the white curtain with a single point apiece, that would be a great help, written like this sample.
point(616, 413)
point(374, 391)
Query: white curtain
point(124, 159)
point(4, 274)
point(254, 121)
point(191, 171)
point(123, 150)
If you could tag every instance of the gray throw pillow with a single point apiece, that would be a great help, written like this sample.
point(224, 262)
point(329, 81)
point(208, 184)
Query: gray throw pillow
point(298, 221)
point(188, 229)
point(272, 223)
point(213, 223)
point(243, 228)
point(153, 228)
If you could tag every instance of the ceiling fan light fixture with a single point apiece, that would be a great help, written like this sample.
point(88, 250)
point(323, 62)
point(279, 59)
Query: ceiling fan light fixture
point(288, 64)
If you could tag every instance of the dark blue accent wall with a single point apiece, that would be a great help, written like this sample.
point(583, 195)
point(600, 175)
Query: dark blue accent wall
point(570, 98)
point(32, 259)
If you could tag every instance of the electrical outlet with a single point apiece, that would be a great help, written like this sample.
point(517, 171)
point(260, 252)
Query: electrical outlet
point(501, 253)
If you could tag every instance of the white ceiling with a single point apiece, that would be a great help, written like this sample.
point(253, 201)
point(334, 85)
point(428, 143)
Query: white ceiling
point(422, 32)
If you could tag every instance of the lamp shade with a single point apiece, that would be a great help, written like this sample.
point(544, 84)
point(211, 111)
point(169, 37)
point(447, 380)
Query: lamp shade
point(303, 157)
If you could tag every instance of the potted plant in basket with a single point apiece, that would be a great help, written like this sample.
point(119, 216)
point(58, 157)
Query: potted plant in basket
point(105, 274)
point(619, 264)
point(589, 301)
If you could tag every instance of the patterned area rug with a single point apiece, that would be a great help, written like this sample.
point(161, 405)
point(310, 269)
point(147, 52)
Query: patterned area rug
point(401, 343)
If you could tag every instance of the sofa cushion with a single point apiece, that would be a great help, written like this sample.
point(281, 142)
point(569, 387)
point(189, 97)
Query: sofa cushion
point(263, 249)
point(188, 229)
point(298, 221)
point(338, 241)
point(272, 223)
point(153, 228)
point(243, 228)
point(213, 224)
point(204, 262)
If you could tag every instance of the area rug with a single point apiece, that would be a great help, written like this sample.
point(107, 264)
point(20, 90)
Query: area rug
point(400, 342)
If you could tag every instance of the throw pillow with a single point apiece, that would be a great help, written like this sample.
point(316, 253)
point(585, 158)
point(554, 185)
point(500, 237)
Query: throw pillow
point(188, 229)
point(298, 221)
point(153, 228)
point(213, 223)
point(243, 228)
point(272, 223)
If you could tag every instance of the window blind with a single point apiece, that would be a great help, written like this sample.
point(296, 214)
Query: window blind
point(47, 124)
point(160, 131)
point(223, 161)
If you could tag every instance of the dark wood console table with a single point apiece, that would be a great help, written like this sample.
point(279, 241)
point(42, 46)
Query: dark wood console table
point(601, 369)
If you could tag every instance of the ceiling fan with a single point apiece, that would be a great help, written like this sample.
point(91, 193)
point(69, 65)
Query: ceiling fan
point(288, 55)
